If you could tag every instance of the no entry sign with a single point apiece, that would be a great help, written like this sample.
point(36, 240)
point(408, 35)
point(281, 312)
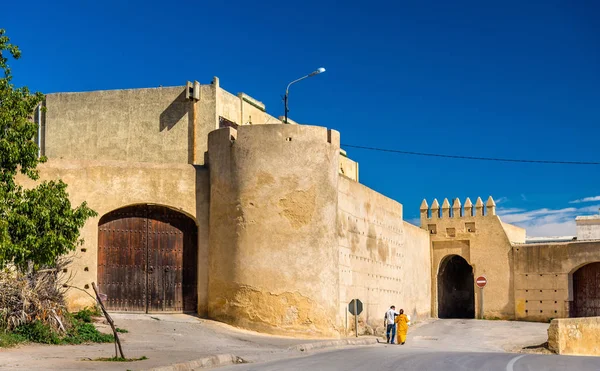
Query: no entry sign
point(481, 281)
point(355, 307)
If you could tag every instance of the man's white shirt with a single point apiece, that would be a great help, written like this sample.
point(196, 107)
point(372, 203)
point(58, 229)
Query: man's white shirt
point(390, 316)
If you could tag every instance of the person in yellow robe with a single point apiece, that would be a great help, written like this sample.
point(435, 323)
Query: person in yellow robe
point(401, 326)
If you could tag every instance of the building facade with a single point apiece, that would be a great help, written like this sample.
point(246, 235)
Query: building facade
point(208, 204)
point(588, 227)
point(525, 281)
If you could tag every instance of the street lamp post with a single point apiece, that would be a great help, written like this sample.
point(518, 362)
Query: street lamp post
point(287, 90)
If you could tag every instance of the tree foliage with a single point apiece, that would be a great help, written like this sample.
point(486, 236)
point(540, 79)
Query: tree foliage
point(37, 225)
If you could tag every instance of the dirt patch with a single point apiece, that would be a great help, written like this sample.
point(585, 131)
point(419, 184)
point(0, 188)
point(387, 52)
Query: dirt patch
point(537, 349)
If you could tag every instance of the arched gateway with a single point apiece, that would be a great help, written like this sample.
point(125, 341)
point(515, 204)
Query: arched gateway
point(586, 291)
point(456, 293)
point(147, 260)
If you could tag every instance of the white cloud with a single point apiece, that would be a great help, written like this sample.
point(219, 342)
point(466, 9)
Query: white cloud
point(589, 209)
point(518, 216)
point(545, 222)
point(552, 229)
point(501, 200)
point(508, 210)
point(586, 199)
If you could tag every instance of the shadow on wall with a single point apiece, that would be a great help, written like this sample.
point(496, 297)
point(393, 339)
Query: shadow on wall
point(173, 114)
point(202, 214)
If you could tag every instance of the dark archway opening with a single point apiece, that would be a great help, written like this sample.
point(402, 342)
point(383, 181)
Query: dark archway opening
point(456, 291)
point(586, 291)
point(147, 260)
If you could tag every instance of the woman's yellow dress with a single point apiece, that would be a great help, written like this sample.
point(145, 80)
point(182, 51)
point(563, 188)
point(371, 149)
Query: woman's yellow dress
point(401, 327)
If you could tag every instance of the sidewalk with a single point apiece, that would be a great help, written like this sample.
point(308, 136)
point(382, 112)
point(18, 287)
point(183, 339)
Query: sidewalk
point(167, 340)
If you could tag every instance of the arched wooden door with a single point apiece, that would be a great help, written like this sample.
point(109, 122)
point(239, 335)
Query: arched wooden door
point(586, 291)
point(147, 260)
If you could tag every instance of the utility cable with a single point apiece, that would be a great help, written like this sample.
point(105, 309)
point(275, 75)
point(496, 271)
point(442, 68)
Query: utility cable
point(472, 157)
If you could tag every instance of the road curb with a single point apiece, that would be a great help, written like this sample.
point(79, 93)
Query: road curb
point(333, 343)
point(230, 359)
point(210, 361)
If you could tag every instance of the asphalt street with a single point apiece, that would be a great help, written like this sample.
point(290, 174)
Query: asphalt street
point(453, 345)
point(396, 358)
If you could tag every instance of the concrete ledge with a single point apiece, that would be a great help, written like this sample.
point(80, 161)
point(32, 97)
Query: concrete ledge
point(333, 343)
point(575, 336)
point(211, 361)
point(230, 359)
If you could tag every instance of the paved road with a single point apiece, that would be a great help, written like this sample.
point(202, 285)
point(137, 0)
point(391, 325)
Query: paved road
point(396, 358)
point(168, 339)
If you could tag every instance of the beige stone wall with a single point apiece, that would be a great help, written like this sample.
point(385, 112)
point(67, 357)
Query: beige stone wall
point(575, 336)
point(253, 112)
point(588, 227)
point(515, 234)
point(243, 109)
point(543, 277)
point(486, 248)
point(148, 125)
point(348, 168)
point(109, 185)
point(229, 106)
point(273, 246)
point(383, 260)
point(207, 118)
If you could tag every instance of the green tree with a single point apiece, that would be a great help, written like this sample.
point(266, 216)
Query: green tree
point(37, 225)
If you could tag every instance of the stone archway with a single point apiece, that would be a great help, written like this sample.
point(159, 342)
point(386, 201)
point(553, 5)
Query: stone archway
point(586, 291)
point(147, 260)
point(456, 291)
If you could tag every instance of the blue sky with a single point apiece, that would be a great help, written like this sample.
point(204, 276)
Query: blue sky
point(511, 79)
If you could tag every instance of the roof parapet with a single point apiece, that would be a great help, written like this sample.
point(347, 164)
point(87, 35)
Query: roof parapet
point(470, 210)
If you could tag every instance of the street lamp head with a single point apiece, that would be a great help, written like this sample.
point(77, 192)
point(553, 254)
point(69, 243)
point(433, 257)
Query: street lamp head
point(285, 97)
point(317, 71)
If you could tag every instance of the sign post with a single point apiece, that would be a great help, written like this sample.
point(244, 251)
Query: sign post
point(481, 281)
point(355, 307)
point(355, 318)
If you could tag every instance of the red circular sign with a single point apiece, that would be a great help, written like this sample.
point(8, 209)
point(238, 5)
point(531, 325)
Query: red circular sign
point(481, 281)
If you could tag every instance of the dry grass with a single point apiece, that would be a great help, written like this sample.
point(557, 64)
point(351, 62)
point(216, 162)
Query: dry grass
point(39, 296)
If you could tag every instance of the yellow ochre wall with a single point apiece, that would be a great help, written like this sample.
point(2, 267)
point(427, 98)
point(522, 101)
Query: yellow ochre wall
point(110, 185)
point(384, 261)
point(487, 248)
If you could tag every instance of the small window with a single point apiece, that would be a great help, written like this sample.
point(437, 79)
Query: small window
point(432, 228)
point(470, 227)
point(451, 232)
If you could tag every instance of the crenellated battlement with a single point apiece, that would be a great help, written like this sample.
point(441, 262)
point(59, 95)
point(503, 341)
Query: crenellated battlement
point(456, 210)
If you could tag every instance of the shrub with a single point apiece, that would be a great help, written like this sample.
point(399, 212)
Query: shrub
point(87, 313)
point(8, 340)
point(79, 332)
point(82, 332)
point(38, 332)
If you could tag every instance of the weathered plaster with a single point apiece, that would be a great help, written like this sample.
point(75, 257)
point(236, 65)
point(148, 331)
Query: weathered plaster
point(543, 277)
point(383, 260)
point(273, 205)
point(575, 336)
point(486, 248)
point(110, 185)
